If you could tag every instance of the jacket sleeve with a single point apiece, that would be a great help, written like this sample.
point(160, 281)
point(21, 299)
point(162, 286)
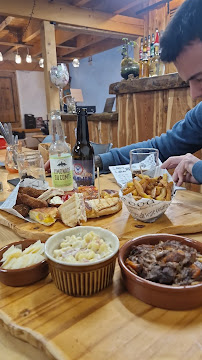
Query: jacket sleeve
point(184, 137)
point(197, 171)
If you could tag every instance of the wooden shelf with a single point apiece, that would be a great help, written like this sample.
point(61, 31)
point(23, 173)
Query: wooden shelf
point(165, 82)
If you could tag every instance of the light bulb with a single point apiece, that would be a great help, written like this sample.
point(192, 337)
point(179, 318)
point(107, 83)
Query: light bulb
point(1, 56)
point(75, 63)
point(28, 59)
point(18, 59)
point(41, 63)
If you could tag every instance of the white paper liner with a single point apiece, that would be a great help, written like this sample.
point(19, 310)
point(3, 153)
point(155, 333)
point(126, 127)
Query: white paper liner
point(147, 210)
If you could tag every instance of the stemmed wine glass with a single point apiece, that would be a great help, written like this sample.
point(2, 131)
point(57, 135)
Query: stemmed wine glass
point(59, 76)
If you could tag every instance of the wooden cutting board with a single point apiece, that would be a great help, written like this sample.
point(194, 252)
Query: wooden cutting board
point(184, 216)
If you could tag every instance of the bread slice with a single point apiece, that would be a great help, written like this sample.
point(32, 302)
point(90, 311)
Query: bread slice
point(73, 212)
point(50, 193)
point(96, 208)
point(44, 216)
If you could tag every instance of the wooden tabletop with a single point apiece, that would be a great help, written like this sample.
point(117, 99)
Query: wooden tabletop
point(110, 325)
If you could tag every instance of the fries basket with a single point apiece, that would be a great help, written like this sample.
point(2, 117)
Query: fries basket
point(148, 209)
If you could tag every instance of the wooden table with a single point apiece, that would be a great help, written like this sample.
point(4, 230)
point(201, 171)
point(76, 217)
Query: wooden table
point(39, 137)
point(110, 325)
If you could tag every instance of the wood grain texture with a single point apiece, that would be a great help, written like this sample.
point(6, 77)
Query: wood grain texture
point(9, 102)
point(102, 128)
point(165, 82)
point(112, 324)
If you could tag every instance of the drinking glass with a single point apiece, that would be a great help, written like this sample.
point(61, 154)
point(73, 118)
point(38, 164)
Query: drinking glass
point(143, 160)
point(59, 76)
point(11, 159)
point(31, 165)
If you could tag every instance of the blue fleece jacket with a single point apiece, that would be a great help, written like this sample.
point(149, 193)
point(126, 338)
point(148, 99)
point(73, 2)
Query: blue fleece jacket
point(184, 137)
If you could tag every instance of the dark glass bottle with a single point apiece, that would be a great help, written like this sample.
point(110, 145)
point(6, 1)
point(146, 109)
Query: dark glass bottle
point(83, 153)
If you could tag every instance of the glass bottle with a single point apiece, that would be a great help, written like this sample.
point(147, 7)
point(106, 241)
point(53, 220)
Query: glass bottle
point(154, 65)
point(83, 153)
point(60, 155)
point(140, 58)
point(161, 63)
point(152, 46)
point(149, 47)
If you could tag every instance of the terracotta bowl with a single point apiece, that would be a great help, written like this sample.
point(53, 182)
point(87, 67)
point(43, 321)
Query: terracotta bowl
point(163, 296)
point(82, 279)
point(24, 276)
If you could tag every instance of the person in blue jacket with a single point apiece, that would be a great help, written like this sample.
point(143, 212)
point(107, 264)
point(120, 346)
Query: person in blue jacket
point(182, 44)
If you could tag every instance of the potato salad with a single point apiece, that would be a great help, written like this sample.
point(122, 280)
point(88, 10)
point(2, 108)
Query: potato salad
point(82, 249)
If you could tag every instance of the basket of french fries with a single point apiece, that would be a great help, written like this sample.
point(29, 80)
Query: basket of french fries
point(147, 198)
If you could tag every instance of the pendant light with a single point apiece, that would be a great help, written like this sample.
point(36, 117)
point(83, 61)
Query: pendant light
point(75, 63)
point(28, 57)
point(41, 63)
point(1, 56)
point(18, 58)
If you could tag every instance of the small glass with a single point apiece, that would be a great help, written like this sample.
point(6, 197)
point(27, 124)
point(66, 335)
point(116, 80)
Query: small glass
point(11, 159)
point(31, 165)
point(143, 160)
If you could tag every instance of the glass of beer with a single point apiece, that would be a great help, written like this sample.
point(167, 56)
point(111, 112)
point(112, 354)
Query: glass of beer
point(143, 161)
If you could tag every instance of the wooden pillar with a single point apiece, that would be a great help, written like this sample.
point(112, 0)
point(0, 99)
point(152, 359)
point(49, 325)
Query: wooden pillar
point(50, 59)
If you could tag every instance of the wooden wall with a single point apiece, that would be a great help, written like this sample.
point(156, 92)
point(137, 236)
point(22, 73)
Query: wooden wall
point(159, 18)
point(102, 128)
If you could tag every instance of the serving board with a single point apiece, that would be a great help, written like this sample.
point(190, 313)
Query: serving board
point(184, 216)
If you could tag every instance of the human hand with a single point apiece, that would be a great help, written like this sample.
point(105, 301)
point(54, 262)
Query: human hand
point(183, 168)
point(47, 166)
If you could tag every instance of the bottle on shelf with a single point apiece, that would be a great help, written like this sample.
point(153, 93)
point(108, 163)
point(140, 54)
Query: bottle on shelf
point(60, 155)
point(152, 46)
point(161, 63)
point(145, 61)
point(145, 45)
point(149, 47)
point(154, 64)
point(140, 58)
point(83, 153)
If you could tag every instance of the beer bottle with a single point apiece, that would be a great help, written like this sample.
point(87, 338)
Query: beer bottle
point(60, 155)
point(83, 153)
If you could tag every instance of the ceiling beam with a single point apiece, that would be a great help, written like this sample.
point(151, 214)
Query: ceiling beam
point(94, 49)
point(82, 41)
point(7, 43)
point(128, 6)
point(6, 22)
point(61, 12)
point(89, 31)
point(3, 33)
point(80, 2)
point(32, 31)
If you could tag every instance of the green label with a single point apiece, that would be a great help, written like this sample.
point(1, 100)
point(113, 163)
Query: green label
point(61, 170)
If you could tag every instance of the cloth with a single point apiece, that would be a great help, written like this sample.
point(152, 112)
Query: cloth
point(184, 137)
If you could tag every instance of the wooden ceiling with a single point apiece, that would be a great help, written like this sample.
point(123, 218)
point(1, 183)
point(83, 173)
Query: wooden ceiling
point(82, 27)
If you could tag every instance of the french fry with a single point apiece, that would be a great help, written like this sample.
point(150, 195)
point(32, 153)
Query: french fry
point(128, 190)
point(157, 188)
point(162, 195)
point(140, 190)
point(169, 189)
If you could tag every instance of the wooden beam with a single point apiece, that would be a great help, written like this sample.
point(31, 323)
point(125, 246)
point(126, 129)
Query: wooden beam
point(63, 13)
point(7, 43)
point(32, 31)
point(50, 59)
point(6, 22)
point(80, 2)
point(95, 49)
point(3, 33)
point(82, 41)
point(128, 7)
point(88, 31)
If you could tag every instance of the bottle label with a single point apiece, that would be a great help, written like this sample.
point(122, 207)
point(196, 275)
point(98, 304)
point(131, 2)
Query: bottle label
point(61, 170)
point(84, 173)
